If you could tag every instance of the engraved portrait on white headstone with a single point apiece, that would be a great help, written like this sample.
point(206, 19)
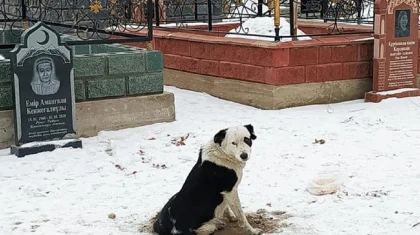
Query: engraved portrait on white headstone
point(44, 81)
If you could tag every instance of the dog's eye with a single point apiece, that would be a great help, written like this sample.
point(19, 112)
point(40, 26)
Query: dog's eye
point(234, 143)
point(248, 141)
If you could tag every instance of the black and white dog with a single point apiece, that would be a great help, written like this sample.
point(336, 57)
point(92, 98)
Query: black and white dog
point(210, 191)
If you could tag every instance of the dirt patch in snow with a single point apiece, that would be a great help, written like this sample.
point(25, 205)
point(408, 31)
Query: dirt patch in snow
point(267, 221)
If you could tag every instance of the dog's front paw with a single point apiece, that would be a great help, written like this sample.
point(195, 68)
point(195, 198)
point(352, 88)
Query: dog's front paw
point(254, 231)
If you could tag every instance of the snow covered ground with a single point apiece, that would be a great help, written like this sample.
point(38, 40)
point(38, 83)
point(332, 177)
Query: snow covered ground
point(264, 26)
point(374, 148)
point(260, 25)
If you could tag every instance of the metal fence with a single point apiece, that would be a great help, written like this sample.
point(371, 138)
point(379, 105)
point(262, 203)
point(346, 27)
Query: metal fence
point(209, 12)
point(90, 21)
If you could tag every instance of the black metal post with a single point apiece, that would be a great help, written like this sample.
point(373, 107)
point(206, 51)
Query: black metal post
point(196, 9)
point(157, 13)
point(260, 8)
point(277, 31)
point(210, 13)
point(324, 4)
point(292, 17)
point(150, 20)
point(128, 7)
point(359, 11)
point(23, 9)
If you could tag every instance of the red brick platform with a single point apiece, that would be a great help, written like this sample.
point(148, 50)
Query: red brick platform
point(377, 97)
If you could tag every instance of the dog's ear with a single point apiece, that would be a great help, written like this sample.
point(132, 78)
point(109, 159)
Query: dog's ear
point(250, 128)
point(220, 136)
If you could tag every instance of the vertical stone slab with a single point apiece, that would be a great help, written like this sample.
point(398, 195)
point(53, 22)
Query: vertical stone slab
point(395, 50)
point(402, 49)
point(44, 98)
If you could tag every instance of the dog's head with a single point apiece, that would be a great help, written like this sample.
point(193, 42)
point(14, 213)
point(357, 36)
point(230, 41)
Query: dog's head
point(236, 141)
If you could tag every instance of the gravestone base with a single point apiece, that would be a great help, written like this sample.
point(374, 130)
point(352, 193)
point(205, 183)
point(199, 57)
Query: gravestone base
point(48, 146)
point(377, 97)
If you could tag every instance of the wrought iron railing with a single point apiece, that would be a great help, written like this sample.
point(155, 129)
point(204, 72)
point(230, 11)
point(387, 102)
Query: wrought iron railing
point(92, 21)
point(208, 12)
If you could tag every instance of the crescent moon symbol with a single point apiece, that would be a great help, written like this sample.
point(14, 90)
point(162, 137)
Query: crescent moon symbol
point(47, 38)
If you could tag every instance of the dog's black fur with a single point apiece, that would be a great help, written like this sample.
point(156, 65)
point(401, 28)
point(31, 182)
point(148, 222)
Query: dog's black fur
point(195, 203)
point(250, 128)
point(198, 198)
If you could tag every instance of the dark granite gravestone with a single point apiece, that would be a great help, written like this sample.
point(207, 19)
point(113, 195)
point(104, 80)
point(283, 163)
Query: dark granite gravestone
point(45, 110)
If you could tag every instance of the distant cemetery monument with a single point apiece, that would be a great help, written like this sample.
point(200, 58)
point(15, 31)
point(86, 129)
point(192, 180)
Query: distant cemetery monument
point(44, 98)
point(395, 50)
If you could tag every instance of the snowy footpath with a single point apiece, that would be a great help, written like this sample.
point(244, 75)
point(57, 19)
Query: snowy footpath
point(374, 150)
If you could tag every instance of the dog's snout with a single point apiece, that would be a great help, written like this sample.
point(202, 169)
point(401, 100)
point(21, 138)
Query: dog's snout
point(244, 156)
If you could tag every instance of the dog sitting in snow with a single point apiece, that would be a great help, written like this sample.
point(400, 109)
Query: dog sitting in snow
point(210, 191)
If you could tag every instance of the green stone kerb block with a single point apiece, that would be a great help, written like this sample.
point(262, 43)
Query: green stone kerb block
point(89, 66)
point(133, 72)
point(123, 63)
point(99, 88)
point(5, 71)
point(154, 61)
point(82, 49)
point(147, 83)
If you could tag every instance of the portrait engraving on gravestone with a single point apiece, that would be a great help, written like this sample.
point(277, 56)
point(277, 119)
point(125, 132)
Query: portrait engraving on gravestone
point(44, 81)
point(43, 87)
point(402, 23)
